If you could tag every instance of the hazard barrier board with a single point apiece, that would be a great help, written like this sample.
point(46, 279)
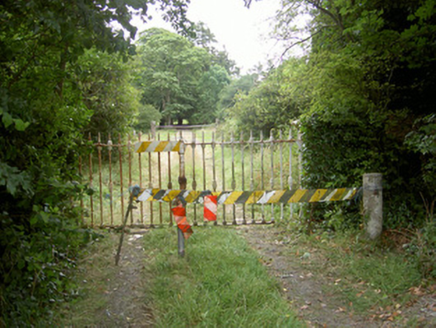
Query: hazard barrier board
point(250, 197)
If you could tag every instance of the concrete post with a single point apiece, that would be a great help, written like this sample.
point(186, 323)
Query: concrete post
point(373, 204)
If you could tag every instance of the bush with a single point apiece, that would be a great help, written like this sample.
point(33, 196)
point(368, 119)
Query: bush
point(422, 248)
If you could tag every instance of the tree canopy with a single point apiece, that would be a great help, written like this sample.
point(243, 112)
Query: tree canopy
point(55, 74)
point(178, 78)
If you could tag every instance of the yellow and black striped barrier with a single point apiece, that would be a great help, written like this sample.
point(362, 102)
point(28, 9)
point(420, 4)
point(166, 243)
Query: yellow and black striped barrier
point(250, 197)
point(157, 146)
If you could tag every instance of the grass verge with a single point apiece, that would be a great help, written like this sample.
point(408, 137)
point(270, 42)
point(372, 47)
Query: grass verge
point(95, 271)
point(219, 283)
point(370, 277)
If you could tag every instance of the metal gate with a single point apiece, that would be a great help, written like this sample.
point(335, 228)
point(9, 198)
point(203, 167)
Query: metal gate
point(256, 179)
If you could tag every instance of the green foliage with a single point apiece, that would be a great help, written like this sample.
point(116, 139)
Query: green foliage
point(51, 83)
point(227, 96)
point(422, 140)
point(209, 88)
point(104, 82)
point(365, 91)
point(179, 78)
point(147, 114)
point(422, 249)
point(264, 105)
point(169, 67)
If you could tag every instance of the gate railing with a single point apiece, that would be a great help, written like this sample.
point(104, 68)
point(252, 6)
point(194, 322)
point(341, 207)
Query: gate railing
point(210, 161)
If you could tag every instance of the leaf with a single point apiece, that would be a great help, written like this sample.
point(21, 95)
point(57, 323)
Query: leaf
point(7, 119)
point(20, 125)
point(33, 220)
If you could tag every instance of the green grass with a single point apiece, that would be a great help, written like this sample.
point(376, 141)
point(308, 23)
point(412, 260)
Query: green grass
point(386, 277)
point(219, 283)
point(92, 278)
point(371, 275)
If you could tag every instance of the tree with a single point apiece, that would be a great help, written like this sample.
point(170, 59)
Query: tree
point(209, 87)
point(146, 115)
point(104, 82)
point(227, 96)
point(203, 37)
point(43, 114)
point(368, 84)
point(263, 107)
point(171, 69)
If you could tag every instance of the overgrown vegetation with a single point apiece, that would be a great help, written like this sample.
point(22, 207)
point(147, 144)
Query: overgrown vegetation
point(220, 283)
point(363, 95)
point(51, 84)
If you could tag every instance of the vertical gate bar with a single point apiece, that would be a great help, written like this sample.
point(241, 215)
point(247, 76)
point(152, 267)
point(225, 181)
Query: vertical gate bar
point(91, 186)
point(121, 175)
point(111, 197)
point(214, 183)
point(290, 182)
point(141, 205)
point(129, 149)
point(262, 186)
point(182, 176)
point(281, 172)
point(251, 142)
point(244, 221)
point(271, 139)
point(81, 198)
point(204, 159)
point(182, 186)
point(204, 165)
point(300, 165)
point(159, 168)
point(150, 185)
point(170, 183)
point(232, 140)
point(223, 175)
point(100, 184)
point(300, 158)
point(194, 182)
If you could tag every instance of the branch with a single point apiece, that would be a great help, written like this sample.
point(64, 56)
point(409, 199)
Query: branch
point(300, 42)
point(248, 3)
point(318, 6)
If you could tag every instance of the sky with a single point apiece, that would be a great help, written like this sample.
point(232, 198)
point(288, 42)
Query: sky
point(242, 32)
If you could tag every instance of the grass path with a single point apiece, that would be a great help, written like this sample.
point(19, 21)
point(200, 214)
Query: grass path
point(219, 283)
point(262, 276)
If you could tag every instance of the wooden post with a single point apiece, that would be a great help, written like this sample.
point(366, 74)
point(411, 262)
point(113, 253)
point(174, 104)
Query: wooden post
point(373, 204)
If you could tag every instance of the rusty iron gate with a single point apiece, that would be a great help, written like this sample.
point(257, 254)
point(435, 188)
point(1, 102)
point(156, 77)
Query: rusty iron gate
point(209, 161)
